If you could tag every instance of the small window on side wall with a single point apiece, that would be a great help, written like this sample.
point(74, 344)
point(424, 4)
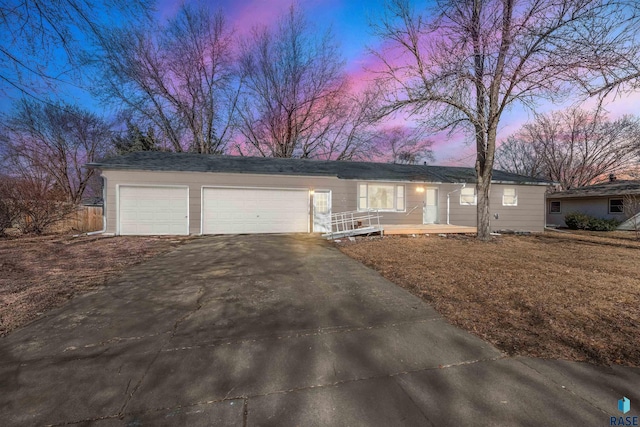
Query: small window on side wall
point(555, 207)
point(616, 206)
point(468, 196)
point(509, 197)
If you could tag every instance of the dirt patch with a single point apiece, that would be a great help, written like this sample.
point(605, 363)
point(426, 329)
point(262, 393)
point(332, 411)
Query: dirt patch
point(551, 296)
point(39, 273)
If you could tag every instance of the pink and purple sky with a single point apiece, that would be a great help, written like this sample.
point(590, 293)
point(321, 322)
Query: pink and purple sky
point(349, 22)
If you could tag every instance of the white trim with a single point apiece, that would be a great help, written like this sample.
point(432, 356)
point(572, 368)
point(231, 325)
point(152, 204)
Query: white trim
point(609, 205)
point(515, 196)
point(475, 197)
point(244, 187)
point(313, 207)
point(395, 185)
point(437, 205)
point(559, 205)
point(151, 186)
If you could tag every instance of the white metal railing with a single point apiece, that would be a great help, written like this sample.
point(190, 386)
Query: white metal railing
point(421, 205)
point(354, 222)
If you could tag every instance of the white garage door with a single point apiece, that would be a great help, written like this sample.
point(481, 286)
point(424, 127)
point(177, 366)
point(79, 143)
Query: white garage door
point(254, 210)
point(153, 210)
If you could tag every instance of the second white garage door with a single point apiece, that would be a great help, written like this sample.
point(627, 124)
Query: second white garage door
point(254, 210)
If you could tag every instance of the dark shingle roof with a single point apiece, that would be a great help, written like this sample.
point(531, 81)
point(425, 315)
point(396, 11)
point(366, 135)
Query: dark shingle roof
point(191, 162)
point(604, 189)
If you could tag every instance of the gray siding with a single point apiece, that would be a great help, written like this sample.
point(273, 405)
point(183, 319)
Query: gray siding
point(594, 206)
point(528, 215)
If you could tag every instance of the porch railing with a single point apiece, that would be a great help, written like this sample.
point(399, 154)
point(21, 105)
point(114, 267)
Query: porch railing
point(353, 223)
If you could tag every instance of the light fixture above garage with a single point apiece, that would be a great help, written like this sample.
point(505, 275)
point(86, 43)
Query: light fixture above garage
point(419, 189)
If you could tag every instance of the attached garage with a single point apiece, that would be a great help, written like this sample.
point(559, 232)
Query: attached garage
point(153, 210)
point(233, 210)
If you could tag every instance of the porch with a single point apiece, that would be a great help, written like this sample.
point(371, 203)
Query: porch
point(428, 229)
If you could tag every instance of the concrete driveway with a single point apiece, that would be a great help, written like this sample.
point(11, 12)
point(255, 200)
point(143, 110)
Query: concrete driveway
point(283, 331)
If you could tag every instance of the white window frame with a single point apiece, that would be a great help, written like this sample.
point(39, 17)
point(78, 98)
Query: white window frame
point(514, 196)
point(399, 197)
point(475, 196)
point(551, 202)
point(621, 206)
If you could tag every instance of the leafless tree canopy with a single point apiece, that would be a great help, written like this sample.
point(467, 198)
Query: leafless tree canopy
point(466, 62)
point(404, 145)
point(178, 78)
point(572, 147)
point(295, 99)
point(40, 40)
point(48, 145)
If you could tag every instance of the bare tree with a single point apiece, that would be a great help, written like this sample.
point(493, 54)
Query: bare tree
point(8, 210)
point(43, 42)
point(354, 131)
point(177, 78)
point(34, 202)
point(516, 156)
point(572, 147)
point(46, 146)
point(466, 62)
point(404, 145)
point(294, 98)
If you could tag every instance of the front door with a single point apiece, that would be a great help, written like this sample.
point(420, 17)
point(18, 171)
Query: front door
point(430, 212)
point(322, 211)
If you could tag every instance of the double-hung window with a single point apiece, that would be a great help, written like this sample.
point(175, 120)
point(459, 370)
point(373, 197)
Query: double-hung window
point(509, 197)
point(381, 197)
point(555, 207)
point(616, 206)
point(468, 196)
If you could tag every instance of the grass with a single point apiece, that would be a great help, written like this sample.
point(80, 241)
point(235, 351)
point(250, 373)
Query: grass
point(39, 273)
point(565, 296)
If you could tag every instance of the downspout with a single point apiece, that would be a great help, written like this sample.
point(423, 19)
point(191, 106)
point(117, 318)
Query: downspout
point(104, 209)
point(449, 200)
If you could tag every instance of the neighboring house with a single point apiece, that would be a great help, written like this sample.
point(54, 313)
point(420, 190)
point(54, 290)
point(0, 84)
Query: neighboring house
point(183, 193)
point(604, 200)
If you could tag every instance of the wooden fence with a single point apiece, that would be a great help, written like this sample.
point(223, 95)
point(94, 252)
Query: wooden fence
point(84, 219)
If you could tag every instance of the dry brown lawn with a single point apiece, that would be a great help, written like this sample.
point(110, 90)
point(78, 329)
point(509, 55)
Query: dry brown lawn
point(555, 295)
point(39, 273)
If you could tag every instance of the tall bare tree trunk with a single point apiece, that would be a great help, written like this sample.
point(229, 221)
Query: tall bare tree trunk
point(484, 172)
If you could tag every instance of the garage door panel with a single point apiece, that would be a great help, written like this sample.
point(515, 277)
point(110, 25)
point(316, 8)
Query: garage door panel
point(153, 210)
point(254, 210)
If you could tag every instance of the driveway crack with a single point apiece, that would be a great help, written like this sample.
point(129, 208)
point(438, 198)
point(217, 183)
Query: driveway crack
point(189, 313)
point(577, 395)
point(399, 382)
point(137, 386)
point(245, 413)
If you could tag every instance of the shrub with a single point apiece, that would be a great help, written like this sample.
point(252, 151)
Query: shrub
point(600, 224)
point(31, 206)
point(8, 211)
point(580, 221)
point(577, 221)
